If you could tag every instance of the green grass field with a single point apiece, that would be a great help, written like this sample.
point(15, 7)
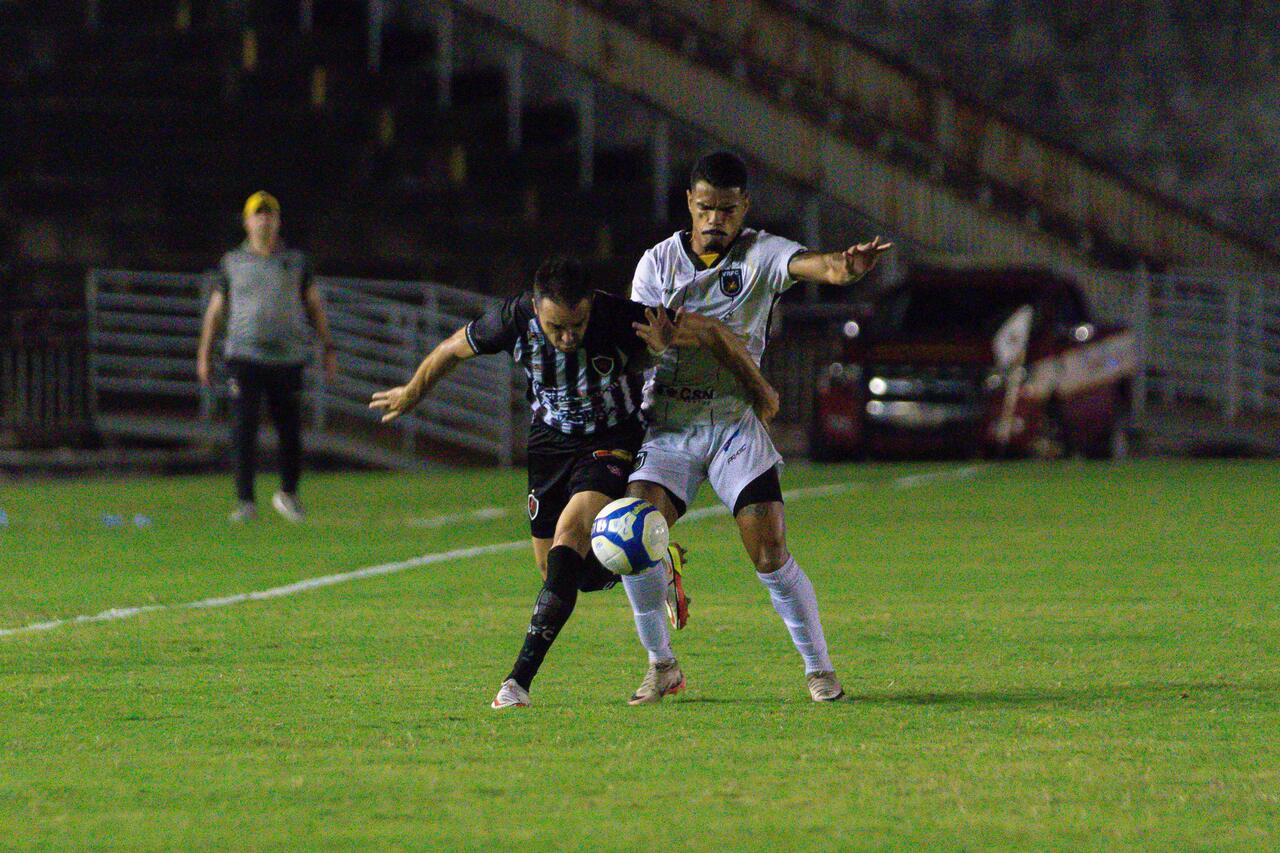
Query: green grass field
point(1041, 656)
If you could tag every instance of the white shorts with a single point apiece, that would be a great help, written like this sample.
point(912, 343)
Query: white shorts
point(730, 454)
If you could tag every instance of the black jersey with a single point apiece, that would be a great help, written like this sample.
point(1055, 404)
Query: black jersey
point(596, 387)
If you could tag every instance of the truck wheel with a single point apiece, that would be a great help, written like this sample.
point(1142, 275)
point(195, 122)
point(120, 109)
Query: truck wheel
point(1114, 442)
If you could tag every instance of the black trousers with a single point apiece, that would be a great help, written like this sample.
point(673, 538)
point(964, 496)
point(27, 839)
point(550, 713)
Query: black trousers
point(282, 386)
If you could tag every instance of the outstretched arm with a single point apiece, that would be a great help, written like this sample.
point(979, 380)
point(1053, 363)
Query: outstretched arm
point(731, 351)
point(838, 267)
point(438, 364)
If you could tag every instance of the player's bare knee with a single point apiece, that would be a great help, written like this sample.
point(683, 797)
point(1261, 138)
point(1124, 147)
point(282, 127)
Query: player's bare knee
point(656, 495)
point(577, 539)
point(770, 557)
point(574, 530)
point(645, 490)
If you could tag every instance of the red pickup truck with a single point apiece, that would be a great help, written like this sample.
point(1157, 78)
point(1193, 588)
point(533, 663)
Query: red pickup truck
point(995, 362)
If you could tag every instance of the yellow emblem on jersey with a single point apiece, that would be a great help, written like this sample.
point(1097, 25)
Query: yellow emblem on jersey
point(731, 282)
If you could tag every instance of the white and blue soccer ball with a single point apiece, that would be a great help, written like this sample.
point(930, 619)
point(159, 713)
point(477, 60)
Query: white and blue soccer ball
point(629, 535)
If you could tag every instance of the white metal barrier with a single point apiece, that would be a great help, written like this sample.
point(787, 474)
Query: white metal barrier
point(144, 329)
point(1208, 338)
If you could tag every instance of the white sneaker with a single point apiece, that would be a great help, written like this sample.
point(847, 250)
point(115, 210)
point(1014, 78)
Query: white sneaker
point(245, 512)
point(289, 507)
point(824, 687)
point(510, 695)
point(664, 678)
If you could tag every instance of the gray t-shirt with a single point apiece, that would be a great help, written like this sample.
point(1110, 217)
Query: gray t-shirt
point(266, 315)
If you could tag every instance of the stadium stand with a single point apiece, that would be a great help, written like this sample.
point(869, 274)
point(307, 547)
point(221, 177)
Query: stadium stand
point(1178, 95)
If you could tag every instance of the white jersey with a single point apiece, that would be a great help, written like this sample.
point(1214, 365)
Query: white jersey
point(740, 289)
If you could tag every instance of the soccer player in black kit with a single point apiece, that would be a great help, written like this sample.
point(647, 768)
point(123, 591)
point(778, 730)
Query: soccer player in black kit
point(585, 354)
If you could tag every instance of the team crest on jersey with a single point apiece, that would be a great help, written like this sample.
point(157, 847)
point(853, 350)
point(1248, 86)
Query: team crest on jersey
point(603, 364)
point(731, 281)
point(533, 506)
point(640, 459)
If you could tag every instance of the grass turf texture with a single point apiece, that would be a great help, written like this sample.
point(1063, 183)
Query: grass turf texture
point(1048, 656)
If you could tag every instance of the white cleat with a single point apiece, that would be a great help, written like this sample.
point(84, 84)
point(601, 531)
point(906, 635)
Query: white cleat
point(289, 507)
point(244, 513)
point(824, 687)
point(664, 678)
point(510, 695)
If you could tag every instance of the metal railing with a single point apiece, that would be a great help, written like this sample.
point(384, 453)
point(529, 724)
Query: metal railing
point(43, 380)
point(1209, 339)
point(144, 330)
point(380, 341)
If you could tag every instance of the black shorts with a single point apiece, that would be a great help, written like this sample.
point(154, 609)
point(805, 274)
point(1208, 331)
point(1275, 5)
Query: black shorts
point(561, 467)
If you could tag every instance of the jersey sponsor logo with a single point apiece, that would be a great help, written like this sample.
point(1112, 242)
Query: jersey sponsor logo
point(685, 394)
point(603, 364)
point(569, 406)
point(533, 506)
point(731, 281)
point(612, 454)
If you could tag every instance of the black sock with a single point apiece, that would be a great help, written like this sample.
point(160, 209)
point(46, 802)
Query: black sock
point(550, 612)
point(595, 576)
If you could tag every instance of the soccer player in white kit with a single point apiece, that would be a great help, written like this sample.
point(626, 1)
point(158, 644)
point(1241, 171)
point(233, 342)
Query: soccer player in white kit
point(702, 425)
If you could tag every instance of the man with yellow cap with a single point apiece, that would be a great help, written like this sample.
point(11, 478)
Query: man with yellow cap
point(265, 293)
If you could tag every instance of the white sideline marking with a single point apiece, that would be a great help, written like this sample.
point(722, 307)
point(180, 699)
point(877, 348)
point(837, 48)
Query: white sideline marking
point(914, 480)
point(907, 482)
point(487, 513)
point(117, 613)
point(276, 591)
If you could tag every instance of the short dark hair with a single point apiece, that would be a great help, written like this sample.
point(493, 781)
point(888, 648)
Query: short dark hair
point(562, 279)
point(722, 169)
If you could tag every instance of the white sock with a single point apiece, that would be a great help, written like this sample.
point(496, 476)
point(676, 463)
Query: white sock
point(793, 598)
point(648, 594)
